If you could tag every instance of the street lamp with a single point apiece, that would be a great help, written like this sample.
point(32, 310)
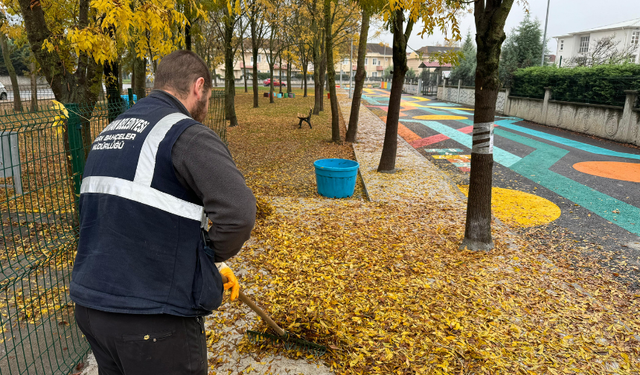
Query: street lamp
point(544, 38)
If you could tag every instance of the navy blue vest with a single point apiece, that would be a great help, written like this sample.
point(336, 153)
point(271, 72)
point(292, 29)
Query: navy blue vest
point(141, 249)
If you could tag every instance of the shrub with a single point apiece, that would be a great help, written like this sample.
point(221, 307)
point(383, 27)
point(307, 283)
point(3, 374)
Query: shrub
point(602, 84)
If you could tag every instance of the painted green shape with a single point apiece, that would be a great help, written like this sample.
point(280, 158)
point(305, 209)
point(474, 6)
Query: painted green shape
point(535, 167)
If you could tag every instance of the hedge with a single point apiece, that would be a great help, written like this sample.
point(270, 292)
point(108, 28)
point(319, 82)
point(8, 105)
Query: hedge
point(603, 84)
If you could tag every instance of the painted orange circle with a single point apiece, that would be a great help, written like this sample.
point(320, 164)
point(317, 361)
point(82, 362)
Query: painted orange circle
point(610, 169)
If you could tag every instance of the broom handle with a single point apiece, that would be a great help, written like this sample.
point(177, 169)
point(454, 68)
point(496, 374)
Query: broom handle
point(259, 311)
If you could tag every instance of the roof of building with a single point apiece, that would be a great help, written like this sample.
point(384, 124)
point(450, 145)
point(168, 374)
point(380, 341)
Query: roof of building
point(436, 49)
point(379, 48)
point(614, 26)
point(436, 64)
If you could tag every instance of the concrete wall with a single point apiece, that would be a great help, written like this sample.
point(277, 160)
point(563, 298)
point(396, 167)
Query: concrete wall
point(467, 96)
point(22, 80)
point(608, 122)
point(602, 121)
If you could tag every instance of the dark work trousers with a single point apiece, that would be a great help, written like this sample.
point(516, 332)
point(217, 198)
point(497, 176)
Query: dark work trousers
point(131, 344)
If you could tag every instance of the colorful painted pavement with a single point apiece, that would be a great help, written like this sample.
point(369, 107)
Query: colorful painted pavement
point(540, 171)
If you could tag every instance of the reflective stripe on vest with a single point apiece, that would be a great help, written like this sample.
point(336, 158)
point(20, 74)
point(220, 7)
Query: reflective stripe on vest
point(140, 190)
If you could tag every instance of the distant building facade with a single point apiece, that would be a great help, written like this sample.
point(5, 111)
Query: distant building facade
point(428, 56)
point(626, 35)
point(380, 57)
point(377, 59)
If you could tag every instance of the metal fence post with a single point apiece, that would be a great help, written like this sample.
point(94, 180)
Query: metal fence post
point(130, 93)
point(74, 132)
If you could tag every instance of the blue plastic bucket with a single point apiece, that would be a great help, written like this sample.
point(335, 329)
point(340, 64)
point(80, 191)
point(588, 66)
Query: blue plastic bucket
point(336, 178)
point(126, 99)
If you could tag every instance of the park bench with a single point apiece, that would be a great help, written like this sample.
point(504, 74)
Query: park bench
point(306, 118)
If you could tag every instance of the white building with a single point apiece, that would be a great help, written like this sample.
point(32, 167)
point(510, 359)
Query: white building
point(626, 35)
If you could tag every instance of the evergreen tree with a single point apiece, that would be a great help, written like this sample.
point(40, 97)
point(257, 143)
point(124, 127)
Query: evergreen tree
point(19, 59)
point(521, 49)
point(466, 67)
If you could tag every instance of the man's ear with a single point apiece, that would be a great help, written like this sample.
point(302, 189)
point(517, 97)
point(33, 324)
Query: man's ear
point(199, 88)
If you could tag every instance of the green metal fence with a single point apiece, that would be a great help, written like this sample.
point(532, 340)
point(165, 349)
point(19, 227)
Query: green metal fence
point(42, 155)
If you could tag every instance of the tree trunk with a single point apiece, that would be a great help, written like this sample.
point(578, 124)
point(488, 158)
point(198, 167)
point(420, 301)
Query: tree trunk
point(289, 74)
point(322, 75)
point(115, 102)
point(271, 89)
point(229, 79)
point(317, 87)
point(244, 63)
point(317, 57)
point(360, 75)
point(255, 75)
point(305, 68)
point(390, 146)
point(255, 49)
point(331, 74)
point(187, 36)
point(6, 54)
point(84, 85)
point(34, 87)
point(140, 74)
point(490, 20)
point(280, 74)
point(120, 75)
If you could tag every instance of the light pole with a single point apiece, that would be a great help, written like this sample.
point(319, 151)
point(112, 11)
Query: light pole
point(544, 38)
point(351, 70)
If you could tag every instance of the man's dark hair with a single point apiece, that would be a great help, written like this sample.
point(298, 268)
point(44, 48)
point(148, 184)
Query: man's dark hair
point(178, 70)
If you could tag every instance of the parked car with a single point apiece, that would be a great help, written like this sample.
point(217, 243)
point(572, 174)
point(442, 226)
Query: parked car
point(267, 82)
point(3, 92)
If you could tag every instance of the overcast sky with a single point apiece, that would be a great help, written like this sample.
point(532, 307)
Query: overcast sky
point(564, 17)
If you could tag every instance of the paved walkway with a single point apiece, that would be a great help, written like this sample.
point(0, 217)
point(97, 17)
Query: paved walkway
point(415, 177)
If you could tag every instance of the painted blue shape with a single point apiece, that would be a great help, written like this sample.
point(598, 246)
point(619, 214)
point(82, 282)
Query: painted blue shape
point(370, 99)
point(461, 165)
point(499, 155)
point(535, 167)
point(508, 124)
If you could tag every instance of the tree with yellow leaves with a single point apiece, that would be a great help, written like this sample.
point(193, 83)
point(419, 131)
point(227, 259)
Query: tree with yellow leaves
point(369, 8)
point(490, 17)
point(232, 10)
point(339, 19)
point(401, 16)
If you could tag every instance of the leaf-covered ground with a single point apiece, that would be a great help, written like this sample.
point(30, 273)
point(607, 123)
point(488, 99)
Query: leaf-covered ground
point(275, 156)
point(383, 285)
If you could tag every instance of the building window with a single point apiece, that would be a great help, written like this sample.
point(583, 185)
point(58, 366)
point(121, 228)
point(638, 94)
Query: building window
point(374, 74)
point(259, 58)
point(366, 61)
point(561, 44)
point(584, 44)
point(635, 38)
point(375, 61)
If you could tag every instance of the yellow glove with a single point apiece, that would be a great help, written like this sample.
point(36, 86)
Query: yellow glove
point(232, 282)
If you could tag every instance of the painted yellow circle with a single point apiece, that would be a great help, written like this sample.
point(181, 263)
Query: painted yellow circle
point(439, 117)
point(517, 208)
